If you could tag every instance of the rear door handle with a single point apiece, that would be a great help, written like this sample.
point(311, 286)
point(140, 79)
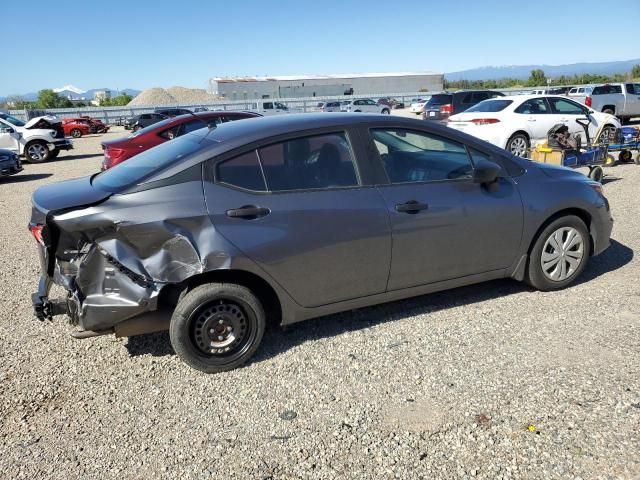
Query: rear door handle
point(248, 211)
point(412, 206)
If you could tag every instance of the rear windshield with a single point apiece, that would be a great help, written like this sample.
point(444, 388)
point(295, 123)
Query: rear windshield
point(490, 106)
point(137, 169)
point(439, 100)
point(153, 126)
point(607, 89)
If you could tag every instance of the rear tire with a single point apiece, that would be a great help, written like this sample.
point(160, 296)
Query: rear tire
point(217, 327)
point(564, 241)
point(625, 156)
point(518, 145)
point(596, 173)
point(37, 152)
point(608, 110)
point(385, 111)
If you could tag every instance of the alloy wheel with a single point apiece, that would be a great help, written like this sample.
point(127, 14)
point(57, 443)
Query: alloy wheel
point(37, 151)
point(518, 146)
point(562, 254)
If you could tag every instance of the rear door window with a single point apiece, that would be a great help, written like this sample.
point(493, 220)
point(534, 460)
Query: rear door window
point(242, 172)
point(535, 106)
point(314, 162)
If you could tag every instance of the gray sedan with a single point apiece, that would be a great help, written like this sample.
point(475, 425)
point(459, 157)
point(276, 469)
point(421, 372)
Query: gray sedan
point(282, 219)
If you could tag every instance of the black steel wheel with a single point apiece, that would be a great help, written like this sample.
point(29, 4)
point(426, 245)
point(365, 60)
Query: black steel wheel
point(217, 327)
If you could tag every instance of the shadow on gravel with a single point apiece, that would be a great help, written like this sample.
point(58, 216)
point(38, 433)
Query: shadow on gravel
point(278, 340)
point(613, 258)
point(608, 179)
point(63, 158)
point(156, 344)
point(27, 177)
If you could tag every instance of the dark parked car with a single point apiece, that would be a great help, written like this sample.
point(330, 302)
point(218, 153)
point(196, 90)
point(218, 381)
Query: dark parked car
point(118, 150)
point(143, 120)
point(10, 163)
point(172, 112)
point(559, 90)
point(221, 231)
point(442, 105)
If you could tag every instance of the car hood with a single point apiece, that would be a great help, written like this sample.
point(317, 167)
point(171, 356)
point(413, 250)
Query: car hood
point(67, 194)
point(50, 119)
point(556, 171)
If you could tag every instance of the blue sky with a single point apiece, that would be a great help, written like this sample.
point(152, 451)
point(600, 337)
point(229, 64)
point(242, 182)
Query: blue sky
point(141, 43)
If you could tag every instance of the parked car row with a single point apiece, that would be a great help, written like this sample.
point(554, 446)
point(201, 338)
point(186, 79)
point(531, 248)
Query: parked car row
point(216, 241)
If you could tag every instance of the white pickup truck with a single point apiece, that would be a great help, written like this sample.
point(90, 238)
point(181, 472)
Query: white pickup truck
point(39, 139)
point(619, 99)
point(268, 107)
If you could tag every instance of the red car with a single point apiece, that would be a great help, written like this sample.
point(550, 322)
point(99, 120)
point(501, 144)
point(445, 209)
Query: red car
point(117, 151)
point(76, 127)
point(96, 126)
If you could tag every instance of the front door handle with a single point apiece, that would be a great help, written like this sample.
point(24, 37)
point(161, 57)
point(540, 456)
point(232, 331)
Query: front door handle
point(248, 211)
point(412, 206)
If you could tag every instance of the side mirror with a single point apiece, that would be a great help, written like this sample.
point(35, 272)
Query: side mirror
point(485, 172)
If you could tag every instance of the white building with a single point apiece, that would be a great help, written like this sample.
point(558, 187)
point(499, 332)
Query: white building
point(295, 86)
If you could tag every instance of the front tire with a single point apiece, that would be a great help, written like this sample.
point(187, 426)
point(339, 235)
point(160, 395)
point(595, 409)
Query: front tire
point(76, 133)
point(518, 145)
point(559, 254)
point(37, 152)
point(385, 111)
point(217, 327)
point(54, 153)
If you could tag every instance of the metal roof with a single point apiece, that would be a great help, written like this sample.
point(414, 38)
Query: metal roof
point(318, 77)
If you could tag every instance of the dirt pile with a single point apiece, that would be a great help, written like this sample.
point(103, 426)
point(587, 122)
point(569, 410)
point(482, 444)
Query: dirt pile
point(173, 95)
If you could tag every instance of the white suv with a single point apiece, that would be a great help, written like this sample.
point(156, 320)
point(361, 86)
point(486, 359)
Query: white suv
point(364, 105)
point(40, 139)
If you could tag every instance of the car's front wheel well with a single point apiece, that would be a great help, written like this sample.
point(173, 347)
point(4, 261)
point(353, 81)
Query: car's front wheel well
point(171, 294)
point(577, 212)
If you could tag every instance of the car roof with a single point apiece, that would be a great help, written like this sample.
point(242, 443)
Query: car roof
point(234, 135)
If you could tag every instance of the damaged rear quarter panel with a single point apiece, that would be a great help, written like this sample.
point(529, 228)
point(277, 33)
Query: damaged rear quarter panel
point(163, 235)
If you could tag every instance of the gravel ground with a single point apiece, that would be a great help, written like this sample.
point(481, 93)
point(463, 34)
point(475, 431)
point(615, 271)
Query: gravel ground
point(490, 381)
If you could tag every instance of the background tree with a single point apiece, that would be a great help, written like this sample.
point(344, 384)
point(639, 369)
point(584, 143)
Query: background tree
point(635, 71)
point(120, 100)
point(47, 98)
point(537, 78)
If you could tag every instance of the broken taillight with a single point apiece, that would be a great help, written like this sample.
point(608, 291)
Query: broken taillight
point(36, 231)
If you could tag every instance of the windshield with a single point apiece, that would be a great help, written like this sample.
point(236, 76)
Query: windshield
point(145, 164)
point(439, 100)
point(12, 120)
point(490, 106)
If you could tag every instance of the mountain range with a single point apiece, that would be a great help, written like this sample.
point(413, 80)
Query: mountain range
point(523, 71)
point(75, 93)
